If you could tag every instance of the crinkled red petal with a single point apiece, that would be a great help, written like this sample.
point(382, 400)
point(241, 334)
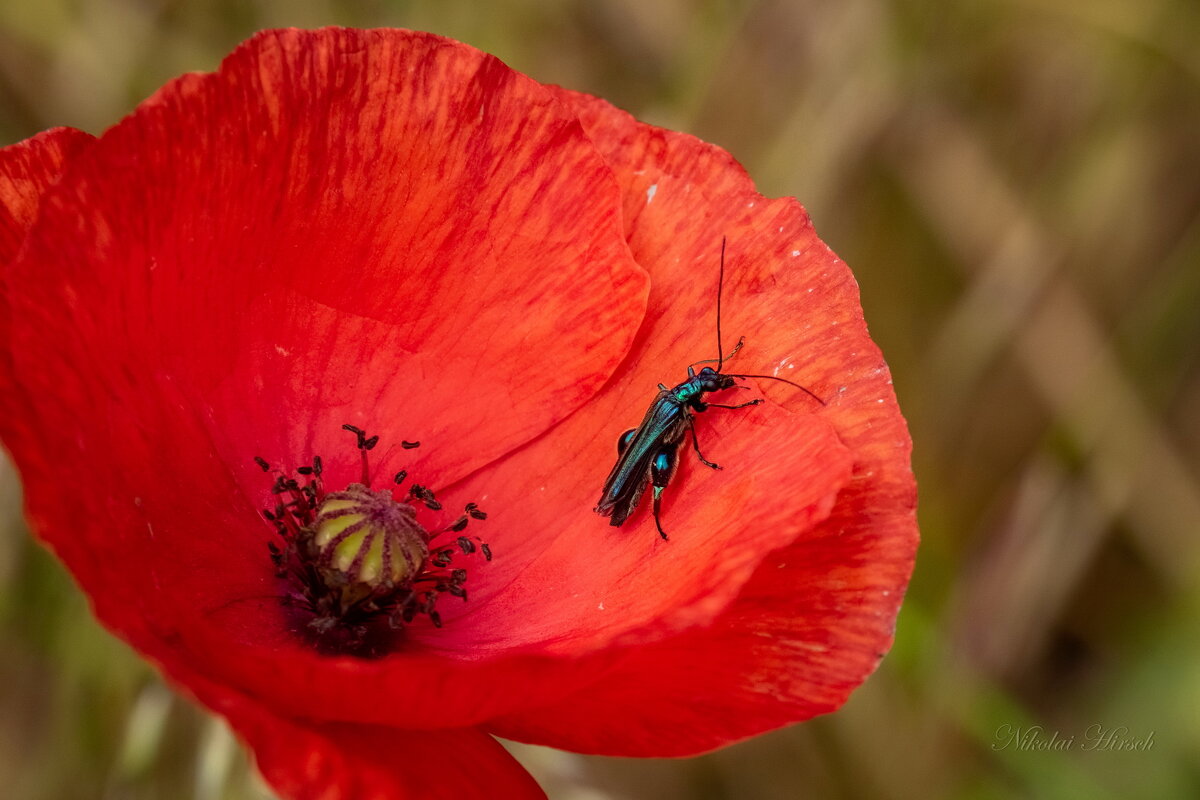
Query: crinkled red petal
point(308, 760)
point(817, 615)
point(344, 226)
point(338, 761)
point(27, 169)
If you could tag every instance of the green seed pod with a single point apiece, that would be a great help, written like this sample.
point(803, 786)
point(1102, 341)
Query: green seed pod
point(365, 540)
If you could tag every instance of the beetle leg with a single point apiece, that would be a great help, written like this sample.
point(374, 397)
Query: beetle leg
point(754, 402)
point(696, 444)
point(662, 468)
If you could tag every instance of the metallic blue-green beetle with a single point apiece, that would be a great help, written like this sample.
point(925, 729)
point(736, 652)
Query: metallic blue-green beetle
point(648, 453)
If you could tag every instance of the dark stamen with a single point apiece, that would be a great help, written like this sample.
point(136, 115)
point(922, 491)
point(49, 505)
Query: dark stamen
point(425, 495)
point(350, 614)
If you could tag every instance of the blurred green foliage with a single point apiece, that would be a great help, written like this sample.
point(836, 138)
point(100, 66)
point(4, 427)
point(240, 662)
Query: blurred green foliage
point(1016, 185)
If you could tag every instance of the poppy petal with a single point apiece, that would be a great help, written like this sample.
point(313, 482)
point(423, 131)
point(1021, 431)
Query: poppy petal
point(816, 617)
point(347, 221)
point(308, 760)
point(27, 169)
point(810, 627)
point(332, 761)
point(584, 584)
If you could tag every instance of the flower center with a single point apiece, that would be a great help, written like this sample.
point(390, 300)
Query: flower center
point(358, 563)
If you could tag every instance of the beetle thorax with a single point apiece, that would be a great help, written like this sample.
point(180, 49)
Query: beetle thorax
point(709, 380)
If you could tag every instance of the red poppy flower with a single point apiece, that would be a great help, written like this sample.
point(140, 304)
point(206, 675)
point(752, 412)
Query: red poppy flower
point(393, 231)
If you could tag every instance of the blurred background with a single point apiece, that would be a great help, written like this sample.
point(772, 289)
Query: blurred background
point(1016, 186)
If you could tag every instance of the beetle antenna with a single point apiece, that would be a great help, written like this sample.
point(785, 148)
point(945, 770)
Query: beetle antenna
point(782, 380)
point(720, 291)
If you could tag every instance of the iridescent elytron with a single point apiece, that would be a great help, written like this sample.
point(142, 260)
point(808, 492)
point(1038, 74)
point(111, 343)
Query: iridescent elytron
point(647, 453)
